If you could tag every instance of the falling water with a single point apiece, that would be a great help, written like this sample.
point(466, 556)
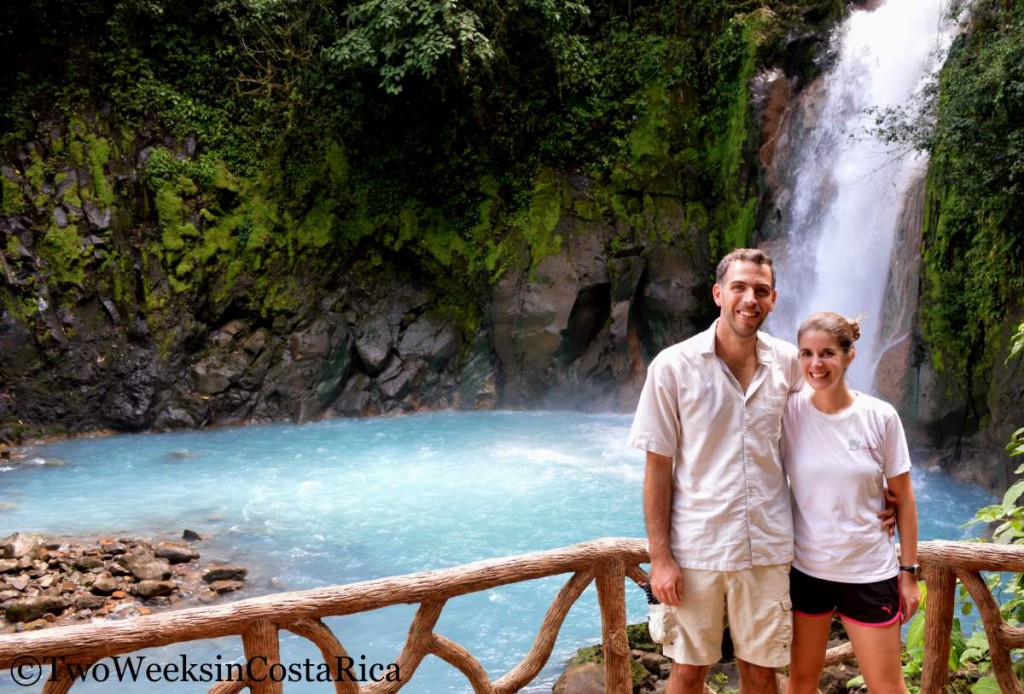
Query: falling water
point(848, 188)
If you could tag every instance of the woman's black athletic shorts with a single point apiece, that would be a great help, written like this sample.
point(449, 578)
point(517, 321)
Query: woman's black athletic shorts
point(872, 604)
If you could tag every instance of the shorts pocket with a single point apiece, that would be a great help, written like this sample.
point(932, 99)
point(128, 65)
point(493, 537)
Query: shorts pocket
point(661, 623)
point(785, 630)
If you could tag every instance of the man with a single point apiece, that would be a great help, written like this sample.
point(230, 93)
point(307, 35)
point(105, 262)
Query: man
point(717, 508)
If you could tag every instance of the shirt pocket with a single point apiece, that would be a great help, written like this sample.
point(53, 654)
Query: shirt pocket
point(770, 414)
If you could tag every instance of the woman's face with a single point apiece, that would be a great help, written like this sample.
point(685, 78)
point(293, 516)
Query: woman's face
point(822, 359)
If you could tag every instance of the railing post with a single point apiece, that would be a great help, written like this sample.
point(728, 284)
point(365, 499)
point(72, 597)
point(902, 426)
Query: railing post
point(611, 597)
point(262, 653)
point(941, 584)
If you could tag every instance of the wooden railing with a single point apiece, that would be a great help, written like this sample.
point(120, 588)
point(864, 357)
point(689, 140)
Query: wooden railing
point(944, 563)
point(608, 562)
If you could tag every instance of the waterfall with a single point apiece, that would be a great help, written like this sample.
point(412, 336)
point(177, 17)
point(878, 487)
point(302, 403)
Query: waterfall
point(847, 188)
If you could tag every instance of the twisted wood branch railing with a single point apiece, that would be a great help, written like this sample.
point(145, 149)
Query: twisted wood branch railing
point(944, 563)
point(606, 562)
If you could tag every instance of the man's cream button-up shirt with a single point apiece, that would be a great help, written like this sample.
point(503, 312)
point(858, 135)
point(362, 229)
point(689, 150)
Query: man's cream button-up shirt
point(730, 502)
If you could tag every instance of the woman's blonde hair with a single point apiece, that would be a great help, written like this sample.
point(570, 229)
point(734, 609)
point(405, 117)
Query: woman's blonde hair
point(845, 330)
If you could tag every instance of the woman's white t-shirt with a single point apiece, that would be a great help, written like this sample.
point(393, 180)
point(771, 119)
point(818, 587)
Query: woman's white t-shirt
point(837, 466)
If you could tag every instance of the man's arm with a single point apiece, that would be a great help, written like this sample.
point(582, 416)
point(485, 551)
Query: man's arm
point(666, 579)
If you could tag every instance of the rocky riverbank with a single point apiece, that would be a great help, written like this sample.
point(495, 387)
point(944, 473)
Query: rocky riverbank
point(50, 581)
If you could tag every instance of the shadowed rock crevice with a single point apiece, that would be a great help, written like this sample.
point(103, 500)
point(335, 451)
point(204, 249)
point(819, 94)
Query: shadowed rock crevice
point(589, 314)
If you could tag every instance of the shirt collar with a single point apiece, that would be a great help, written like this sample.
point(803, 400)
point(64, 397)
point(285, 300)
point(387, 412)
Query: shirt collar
point(765, 350)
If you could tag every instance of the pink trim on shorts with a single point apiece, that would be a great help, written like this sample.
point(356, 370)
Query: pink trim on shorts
point(899, 615)
point(815, 616)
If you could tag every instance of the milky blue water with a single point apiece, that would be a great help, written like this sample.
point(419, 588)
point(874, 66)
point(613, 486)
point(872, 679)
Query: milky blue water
point(349, 500)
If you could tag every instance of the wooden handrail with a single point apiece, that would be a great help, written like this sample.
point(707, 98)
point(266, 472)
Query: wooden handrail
point(944, 564)
point(607, 561)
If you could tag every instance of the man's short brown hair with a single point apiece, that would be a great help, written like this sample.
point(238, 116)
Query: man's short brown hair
point(753, 255)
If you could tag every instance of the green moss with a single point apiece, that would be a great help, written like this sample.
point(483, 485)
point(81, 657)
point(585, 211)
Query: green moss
point(171, 214)
point(35, 175)
point(64, 256)
point(539, 223)
point(337, 163)
point(315, 229)
point(738, 232)
point(99, 157)
point(23, 308)
point(595, 654)
point(649, 140)
point(12, 200)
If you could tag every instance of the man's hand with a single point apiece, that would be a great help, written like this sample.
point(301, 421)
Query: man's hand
point(888, 515)
point(667, 582)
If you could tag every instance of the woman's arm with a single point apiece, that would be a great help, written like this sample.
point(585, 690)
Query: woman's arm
point(906, 523)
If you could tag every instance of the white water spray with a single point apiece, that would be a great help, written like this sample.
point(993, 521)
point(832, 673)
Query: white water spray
point(848, 187)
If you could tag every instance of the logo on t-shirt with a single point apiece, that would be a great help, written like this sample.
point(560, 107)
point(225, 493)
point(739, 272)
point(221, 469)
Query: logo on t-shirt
point(858, 446)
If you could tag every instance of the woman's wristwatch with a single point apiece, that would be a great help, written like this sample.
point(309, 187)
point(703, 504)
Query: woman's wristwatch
point(914, 569)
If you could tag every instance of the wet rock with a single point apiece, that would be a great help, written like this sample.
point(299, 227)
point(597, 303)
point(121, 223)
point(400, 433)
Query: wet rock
point(35, 625)
point(60, 217)
point(225, 573)
point(431, 338)
point(373, 344)
point(191, 535)
point(144, 565)
point(88, 563)
point(97, 218)
point(587, 678)
point(113, 548)
point(225, 586)
point(153, 589)
point(28, 609)
point(216, 374)
point(652, 662)
point(89, 602)
point(17, 545)
point(105, 584)
point(175, 553)
point(355, 398)
point(401, 383)
point(312, 344)
point(151, 571)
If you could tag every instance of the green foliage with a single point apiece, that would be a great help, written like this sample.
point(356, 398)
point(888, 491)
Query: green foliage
point(402, 37)
point(444, 137)
point(973, 249)
point(1016, 346)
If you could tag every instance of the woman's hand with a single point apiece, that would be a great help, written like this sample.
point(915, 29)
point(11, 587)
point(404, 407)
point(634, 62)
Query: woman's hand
point(910, 596)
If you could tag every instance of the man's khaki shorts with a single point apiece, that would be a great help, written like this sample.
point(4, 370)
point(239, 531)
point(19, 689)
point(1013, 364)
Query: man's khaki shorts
point(758, 607)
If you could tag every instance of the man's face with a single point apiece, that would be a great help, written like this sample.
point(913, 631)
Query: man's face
point(745, 296)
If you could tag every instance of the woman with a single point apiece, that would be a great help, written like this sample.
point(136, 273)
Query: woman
point(841, 448)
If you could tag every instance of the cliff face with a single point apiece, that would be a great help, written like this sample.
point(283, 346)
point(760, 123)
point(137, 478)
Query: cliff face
point(383, 252)
point(94, 335)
